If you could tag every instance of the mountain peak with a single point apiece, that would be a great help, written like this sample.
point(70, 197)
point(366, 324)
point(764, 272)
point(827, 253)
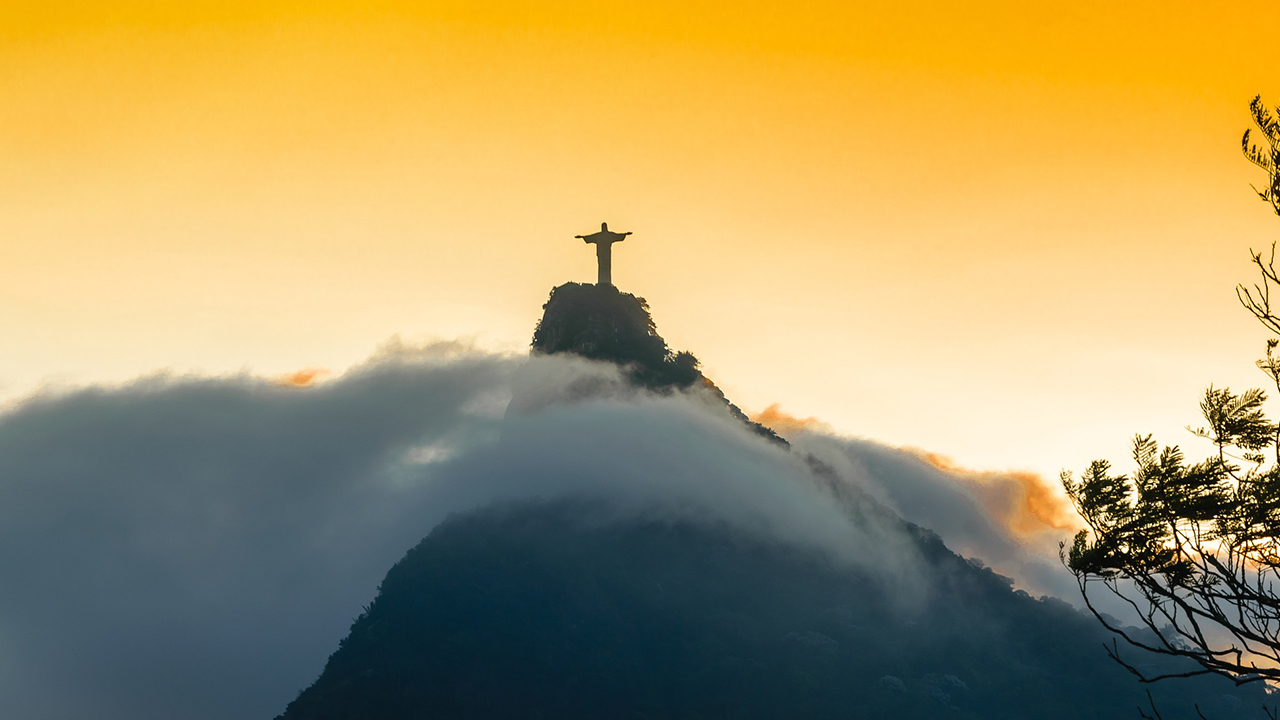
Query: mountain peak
point(600, 322)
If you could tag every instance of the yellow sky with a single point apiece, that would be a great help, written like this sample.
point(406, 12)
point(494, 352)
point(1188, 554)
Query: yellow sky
point(1003, 234)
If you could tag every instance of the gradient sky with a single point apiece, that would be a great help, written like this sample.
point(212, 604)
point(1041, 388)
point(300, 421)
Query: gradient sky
point(1002, 234)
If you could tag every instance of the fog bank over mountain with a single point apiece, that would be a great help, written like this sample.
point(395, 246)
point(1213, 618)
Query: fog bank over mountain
point(640, 548)
point(979, 515)
point(185, 543)
point(190, 547)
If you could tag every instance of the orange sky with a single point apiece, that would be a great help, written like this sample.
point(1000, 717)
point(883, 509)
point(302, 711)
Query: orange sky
point(1003, 234)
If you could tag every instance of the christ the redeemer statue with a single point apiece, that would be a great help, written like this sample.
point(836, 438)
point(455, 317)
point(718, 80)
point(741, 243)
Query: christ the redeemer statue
point(604, 241)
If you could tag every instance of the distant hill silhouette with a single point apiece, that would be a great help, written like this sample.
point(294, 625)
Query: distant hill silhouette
point(533, 610)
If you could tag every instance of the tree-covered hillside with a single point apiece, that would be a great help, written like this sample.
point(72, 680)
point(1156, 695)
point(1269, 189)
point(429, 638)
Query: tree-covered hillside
point(542, 611)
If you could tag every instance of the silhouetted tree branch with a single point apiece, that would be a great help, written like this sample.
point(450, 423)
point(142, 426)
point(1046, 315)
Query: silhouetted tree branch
point(1266, 157)
point(1193, 549)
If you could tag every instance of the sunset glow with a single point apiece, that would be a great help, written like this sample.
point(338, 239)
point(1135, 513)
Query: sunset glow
point(1002, 233)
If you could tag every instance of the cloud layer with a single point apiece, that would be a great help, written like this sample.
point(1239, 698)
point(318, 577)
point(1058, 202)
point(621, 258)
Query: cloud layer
point(1010, 521)
point(195, 547)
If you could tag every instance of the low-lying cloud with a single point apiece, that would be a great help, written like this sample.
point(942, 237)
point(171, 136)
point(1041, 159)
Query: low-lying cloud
point(195, 547)
point(983, 515)
point(1011, 519)
point(302, 378)
point(1024, 502)
point(783, 423)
